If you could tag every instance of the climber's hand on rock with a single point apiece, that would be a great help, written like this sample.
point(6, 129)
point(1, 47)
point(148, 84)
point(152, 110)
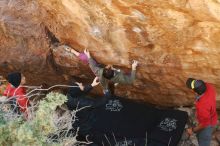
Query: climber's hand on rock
point(87, 53)
point(134, 64)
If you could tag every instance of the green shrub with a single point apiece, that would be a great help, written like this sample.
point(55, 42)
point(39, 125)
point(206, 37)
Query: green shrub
point(34, 132)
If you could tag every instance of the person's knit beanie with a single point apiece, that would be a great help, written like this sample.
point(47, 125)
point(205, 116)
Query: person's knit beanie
point(14, 79)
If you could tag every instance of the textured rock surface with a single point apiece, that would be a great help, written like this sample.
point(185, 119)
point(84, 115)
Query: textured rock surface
point(172, 40)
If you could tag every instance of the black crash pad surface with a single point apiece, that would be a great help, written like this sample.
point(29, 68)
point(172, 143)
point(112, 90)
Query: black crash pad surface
point(118, 119)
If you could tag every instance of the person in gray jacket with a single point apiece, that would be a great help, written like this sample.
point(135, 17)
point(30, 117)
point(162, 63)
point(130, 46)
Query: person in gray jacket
point(108, 73)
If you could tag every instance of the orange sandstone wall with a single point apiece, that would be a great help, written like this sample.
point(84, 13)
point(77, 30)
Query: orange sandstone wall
point(172, 40)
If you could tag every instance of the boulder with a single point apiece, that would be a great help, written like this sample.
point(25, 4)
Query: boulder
point(172, 40)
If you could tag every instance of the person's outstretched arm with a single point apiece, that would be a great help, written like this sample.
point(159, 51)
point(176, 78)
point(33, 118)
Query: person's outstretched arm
point(127, 79)
point(71, 50)
point(75, 95)
point(92, 63)
point(88, 88)
point(82, 90)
